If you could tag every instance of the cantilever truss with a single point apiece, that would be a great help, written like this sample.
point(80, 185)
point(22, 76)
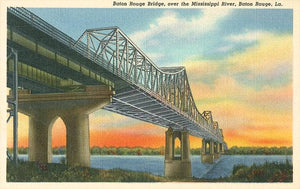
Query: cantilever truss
point(113, 50)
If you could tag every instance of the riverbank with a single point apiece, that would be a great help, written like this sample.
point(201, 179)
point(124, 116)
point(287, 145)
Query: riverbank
point(51, 172)
point(39, 172)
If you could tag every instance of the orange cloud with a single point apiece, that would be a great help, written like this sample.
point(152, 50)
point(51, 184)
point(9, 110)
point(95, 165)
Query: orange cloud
point(122, 138)
point(257, 138)
point(247, 115)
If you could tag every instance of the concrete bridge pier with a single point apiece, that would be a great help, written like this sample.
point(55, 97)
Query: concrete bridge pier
point(73, 108)
point(78, 139)
point(177, 166)
point(207, 154)
point(222, 148)
point(39, 137)
point(217, 150)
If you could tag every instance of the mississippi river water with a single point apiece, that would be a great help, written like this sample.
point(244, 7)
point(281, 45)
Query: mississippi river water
point(155, 164)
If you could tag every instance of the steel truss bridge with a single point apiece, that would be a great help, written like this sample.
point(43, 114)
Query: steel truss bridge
point(51, 61)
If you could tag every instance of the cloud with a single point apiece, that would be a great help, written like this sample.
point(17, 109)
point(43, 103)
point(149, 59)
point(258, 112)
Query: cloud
point(271, 54)
point(241, 110)
point(155, 57)
point(246, 138)
point(199, 69)
point(268, 62)
point(225, 48)
point(270, 97)
point(247, 37)
point(226, 97)
point(170, 21)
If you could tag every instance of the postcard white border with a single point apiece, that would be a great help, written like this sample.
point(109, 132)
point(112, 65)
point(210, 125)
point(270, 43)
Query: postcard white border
point(287, 4)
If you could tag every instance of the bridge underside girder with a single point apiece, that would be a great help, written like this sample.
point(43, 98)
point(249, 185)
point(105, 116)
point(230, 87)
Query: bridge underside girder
point(30, 84)
point(140, 105)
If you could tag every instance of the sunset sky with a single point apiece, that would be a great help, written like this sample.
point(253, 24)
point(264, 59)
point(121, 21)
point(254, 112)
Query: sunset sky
point(239, 65)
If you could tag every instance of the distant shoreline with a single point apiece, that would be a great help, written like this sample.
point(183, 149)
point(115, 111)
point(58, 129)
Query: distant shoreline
point(140, 151)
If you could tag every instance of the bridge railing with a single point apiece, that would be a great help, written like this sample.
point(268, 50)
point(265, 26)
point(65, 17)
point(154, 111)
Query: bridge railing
point(113, 50)
point(47, 28)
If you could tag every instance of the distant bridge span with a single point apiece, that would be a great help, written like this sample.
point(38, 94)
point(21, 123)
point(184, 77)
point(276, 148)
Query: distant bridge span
point(49, 61)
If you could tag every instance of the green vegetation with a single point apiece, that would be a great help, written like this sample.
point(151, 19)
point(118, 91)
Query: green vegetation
point(40, 172)
point(268, 172)
point(126, 151)
point(95, 150)
point(21, 150)
point(259, 151)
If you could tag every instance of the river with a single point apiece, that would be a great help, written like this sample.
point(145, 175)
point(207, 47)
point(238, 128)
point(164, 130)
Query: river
point(155, 164)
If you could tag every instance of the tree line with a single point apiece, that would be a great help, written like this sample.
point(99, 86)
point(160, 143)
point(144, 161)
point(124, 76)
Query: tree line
point(95, 150)
point(283, 150)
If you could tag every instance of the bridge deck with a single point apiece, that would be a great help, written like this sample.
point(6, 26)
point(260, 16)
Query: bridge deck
point(51, 60)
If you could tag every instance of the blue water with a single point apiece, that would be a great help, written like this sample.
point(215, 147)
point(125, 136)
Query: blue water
point(155, 164)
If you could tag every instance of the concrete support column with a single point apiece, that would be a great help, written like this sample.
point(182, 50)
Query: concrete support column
point(40, 148)
point(78, 144)
point(211, 147)
point(217, 154)
point(73, 108)
point(207, 157)
point(169, 144)
point(177, 167)
point(185, 146)
point(203, 148)
point(221, 148)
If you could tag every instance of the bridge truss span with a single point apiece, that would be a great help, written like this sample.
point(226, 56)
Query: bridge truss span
point(157, 95)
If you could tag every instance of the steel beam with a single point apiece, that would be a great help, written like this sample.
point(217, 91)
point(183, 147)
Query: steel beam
point(14, 103)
